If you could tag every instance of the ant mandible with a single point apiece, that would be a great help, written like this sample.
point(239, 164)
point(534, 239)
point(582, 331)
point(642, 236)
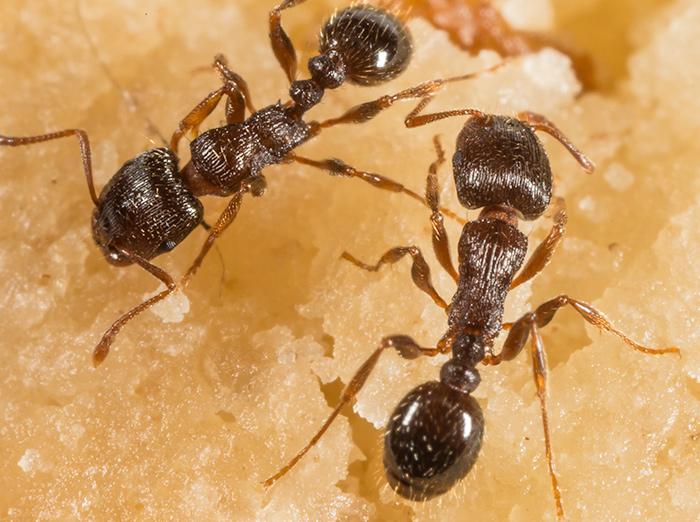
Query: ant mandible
point(435, 433)
point(150, 205)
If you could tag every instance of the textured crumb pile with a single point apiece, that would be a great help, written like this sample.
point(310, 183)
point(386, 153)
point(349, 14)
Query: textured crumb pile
point(208, 396)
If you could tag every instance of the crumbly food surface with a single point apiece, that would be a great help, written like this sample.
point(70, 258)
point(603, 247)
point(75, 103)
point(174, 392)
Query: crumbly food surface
point(201, 400)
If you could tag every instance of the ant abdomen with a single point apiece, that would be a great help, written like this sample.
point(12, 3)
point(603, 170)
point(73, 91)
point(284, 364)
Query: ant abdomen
point(432, 440)
point(146, 209)
point(373, 45)
point(500, 161)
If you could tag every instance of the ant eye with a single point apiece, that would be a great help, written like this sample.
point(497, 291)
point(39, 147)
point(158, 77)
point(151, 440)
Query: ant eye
point(373, 44)
point(432, 440)
point(167, 246)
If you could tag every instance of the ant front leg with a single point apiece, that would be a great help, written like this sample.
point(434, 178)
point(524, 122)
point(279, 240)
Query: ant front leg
point(226, 218)
point(282, 46)
point(102, 349)
point(441, 243)
point(545, 250)
point(338, 167)
point(529, 325)
point(236, 91)
point(420, 270)
point(407, 348)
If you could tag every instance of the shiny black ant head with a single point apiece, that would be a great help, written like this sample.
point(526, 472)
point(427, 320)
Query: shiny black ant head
point(367, 46)
point(145, 209)
point(499, 160)
point(432, 441)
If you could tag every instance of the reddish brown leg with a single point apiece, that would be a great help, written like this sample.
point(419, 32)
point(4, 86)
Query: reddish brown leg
point(415, 119)
point(232, 78)
point(441, 243)
point(535, 121)
point(420, 271)
point(541, 123)
point(406, 347)
point(226, 218)
point(543, 314)
point(529, 325)
point(539, 372)
point(281, 44)
point(544, 251)
point(102, 349)
point(83, 141)
point(368, 110)
point(236, 91)
point(338, 167)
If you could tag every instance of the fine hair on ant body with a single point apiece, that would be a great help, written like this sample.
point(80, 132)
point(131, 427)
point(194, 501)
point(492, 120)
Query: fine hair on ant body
point(151, 204)
point(434, 435)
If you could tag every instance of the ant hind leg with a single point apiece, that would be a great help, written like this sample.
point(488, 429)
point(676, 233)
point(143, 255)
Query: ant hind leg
point(406, 347)
point(528, 326)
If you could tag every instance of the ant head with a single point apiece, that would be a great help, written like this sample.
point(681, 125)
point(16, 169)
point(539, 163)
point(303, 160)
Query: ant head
point(432, 441)
point(146, 209)
point(367, 45)
point(500, 161)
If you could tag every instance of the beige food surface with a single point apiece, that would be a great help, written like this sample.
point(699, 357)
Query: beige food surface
point(184, 419)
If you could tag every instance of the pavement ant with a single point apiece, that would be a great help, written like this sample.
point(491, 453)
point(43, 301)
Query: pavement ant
point(151, 204)
point(434, 435)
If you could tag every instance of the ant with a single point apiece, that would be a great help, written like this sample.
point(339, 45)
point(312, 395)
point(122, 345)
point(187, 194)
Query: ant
point(434, 435)
point(151, 204)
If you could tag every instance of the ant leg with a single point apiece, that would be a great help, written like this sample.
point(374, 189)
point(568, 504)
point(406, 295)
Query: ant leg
point(441, 244)
point(528, 325)
point(230, 77)
point(236, 91)
point(368, 110)
point(420, 271)
point(539, 122)
point(85, 154)
point(539, 371)
point(102, 348)
point(282, 46)
point(415, 119)
point(543, 314)
point(225, 219)
point(406, 347)
point(544, 251)
point(228, 215)
point(338, 167)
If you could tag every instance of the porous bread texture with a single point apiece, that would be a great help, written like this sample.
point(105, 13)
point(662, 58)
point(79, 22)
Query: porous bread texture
point(184, 420)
